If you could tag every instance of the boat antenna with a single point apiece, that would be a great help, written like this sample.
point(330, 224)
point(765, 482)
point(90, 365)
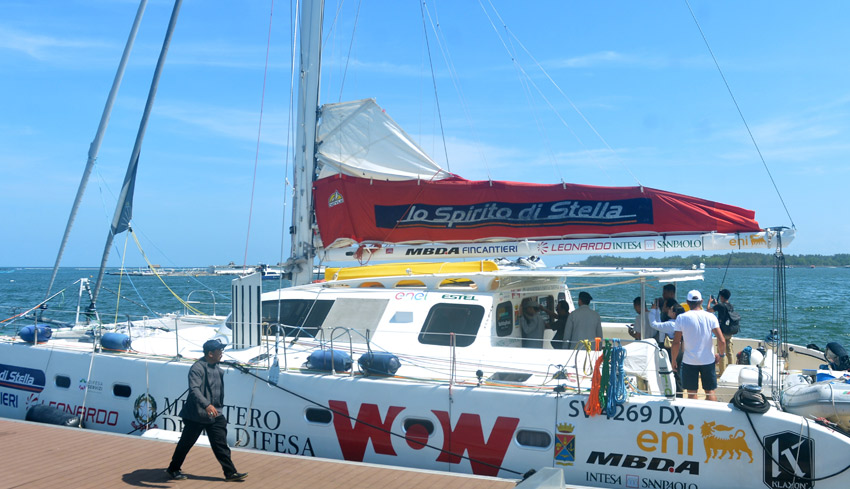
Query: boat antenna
point(124, 208)
point(94, 148)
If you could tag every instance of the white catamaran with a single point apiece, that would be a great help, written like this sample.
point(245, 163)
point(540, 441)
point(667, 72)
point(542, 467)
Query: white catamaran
point(421, 363)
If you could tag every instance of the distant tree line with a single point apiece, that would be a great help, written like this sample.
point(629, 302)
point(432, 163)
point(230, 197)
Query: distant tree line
point(714, 261)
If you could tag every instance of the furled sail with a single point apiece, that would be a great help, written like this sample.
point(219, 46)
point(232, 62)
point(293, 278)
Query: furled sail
point(357, 210)
point(377, 187)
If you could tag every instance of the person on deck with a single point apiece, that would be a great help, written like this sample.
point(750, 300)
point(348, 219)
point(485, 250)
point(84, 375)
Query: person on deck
point(667, 292)
point(641, 318)
point(722, 307)
point(583, 324)
point(695, 327)
point(562, 313)
point(202, 412)
point(666, 330)
point(532, 324)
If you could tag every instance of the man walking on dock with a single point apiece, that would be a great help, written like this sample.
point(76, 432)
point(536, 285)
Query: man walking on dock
point(202, 411)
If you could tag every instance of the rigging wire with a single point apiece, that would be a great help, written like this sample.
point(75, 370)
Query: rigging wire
point(174, 264)
point(287, 185)
point(434, 81)
point(350, 46)
point(259, 134)
point(526, 88)
point(740, 113)
point(337, 412)
point(290, 122)
point(101, 186)
point(181, 301)
point(723, 280)
point(558, 88)
point(453, 76)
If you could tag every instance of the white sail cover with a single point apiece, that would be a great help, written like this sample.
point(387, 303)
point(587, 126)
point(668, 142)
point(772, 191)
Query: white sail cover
point(359, 139)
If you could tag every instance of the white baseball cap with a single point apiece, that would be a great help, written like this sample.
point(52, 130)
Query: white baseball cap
point(694, 296)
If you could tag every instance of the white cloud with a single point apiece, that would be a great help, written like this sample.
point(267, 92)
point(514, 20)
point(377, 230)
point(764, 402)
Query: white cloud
point(42, 47)
point(231, 123)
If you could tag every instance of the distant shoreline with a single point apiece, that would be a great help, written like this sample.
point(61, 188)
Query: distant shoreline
point(733, 260)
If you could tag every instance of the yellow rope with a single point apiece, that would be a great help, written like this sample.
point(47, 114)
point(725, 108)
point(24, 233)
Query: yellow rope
point(185, 304)
point(120, 279)
point(587, 368)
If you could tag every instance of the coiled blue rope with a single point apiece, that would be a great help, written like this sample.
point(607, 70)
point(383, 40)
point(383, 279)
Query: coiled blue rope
point(617, 382)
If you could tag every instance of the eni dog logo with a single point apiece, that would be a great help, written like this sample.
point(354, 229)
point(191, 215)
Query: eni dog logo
point(717, 446)
point(335, 199)
point(565, 445)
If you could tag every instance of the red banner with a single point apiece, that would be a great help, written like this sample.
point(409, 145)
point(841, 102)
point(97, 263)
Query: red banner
point(458, 210)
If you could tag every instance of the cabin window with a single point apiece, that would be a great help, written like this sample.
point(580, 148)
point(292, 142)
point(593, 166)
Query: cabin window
point(310, 314)
point(504, 319)
point(371, 285)
point(533, 438)
point(443, 319)
point(418, 284)
point(63, 381)
point(121, 390)
point(316, 415)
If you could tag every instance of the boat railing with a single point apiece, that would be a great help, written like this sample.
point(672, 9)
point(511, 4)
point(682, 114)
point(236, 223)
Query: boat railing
point(189, 301)
point(345, 332)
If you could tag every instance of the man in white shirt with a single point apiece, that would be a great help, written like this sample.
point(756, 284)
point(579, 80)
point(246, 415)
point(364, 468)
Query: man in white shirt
point(695, 327)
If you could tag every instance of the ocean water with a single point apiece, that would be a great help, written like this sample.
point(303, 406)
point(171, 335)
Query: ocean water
point(816, 309)
point(817, 306)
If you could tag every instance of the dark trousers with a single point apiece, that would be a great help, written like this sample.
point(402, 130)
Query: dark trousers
point(217, 434)
point(676, 373)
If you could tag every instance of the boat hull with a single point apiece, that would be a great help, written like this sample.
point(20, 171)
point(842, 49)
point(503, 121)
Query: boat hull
point(648, 442)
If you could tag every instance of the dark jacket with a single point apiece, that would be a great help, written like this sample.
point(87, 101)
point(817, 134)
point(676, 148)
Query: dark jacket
point(722, 309)
point(559, 326)
point(206, 386)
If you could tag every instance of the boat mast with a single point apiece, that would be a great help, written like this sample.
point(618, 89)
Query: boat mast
point(124, 208)
point(300, 263)
point(94, 148)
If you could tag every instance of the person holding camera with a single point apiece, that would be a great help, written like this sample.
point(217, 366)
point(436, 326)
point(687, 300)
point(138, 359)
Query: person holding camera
point(562, 313)
point(532, 324)
point(722, 307)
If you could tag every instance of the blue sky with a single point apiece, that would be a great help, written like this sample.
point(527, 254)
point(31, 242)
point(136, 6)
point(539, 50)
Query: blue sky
point(639, 72)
